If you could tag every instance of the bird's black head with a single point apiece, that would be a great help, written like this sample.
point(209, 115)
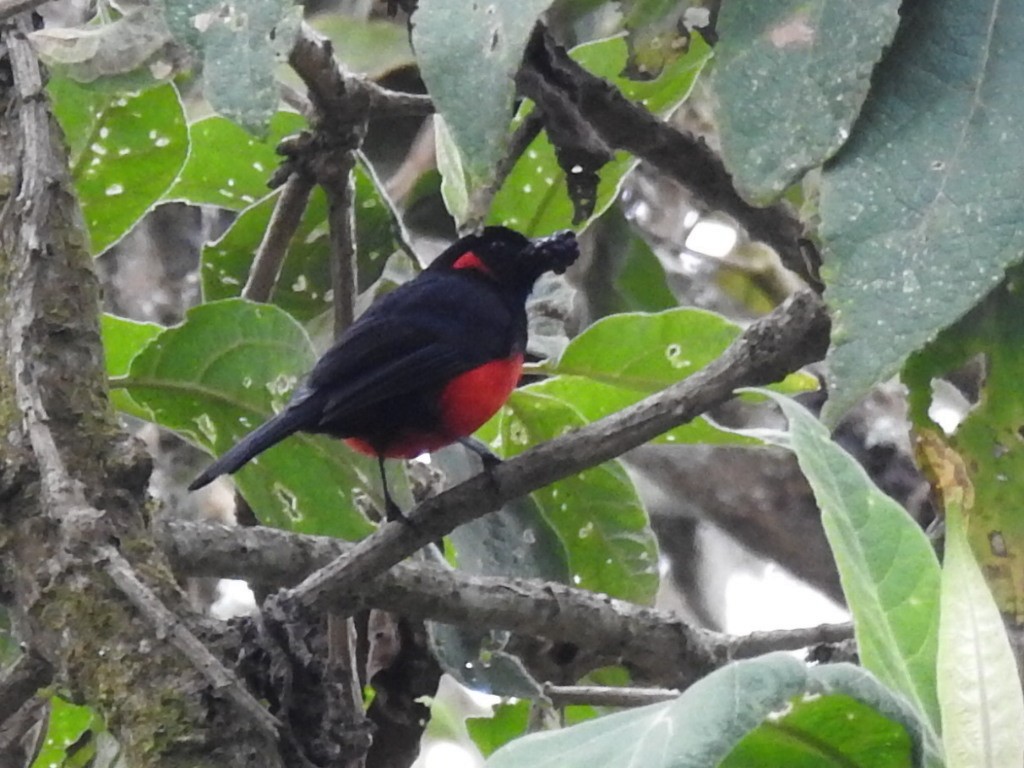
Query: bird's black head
point(509, 258)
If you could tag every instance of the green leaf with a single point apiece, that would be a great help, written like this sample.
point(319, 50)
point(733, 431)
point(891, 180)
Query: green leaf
point(790, 77)
point(123, 339)
point(68, 724)
point(624, 275)
point(918, 209)
point(818, 732)
point(304, 285)
point(641, 282)
point(226, 166)
point(126, 150)
point(468, 53)
point(623, 358)
point(129, 53)
point(596, 513)
point(216, 376)
point(839, 709)
point(242, 44)
point(657, 34)
point(534, 198)
point(979, 687)
point(988, 439)
point(371, 47)
point(507, 722)
point(887, 567)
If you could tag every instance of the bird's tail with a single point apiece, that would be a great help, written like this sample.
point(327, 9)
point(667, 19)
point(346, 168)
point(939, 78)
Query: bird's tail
point(286, 423)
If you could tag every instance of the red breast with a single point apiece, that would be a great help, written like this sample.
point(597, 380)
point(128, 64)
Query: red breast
point(465, 404)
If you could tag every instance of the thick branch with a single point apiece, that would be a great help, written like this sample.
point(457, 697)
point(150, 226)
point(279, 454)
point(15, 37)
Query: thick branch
point(330, 87)
point(269, 258)
point(658, 645)
point(79, 481)
point(792, 336)
point(549, 75)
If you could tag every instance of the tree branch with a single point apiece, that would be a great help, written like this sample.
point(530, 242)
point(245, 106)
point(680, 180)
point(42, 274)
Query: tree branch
point(657, 645)
point(550, 75)
point(266, 264)
point(793, 335)
point(20, 681)
point(168, 625)
point(74, 482)
point(606, 696)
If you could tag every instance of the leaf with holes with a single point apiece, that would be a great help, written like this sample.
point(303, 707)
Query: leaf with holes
point(228, 167)
point(304, 285)
point(126, 150)
point(623, 358)
point(216, 376)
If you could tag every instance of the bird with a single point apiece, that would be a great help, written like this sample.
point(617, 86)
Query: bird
point(425, 365)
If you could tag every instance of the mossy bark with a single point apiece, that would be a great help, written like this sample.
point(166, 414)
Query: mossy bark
point(71, 481)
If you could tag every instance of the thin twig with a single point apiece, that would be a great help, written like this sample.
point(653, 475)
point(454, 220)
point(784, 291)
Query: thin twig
point(758, 643)
point(792, 336)
point(606, 696)
point(339, 185)
point(169, 626)
point(269, 258)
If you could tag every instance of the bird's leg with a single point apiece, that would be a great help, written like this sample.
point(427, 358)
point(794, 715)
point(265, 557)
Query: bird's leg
point(489, 458)
point(392, 512)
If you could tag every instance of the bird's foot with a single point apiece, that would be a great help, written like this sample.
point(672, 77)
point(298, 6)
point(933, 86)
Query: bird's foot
point(488, 457)
point(393, 514)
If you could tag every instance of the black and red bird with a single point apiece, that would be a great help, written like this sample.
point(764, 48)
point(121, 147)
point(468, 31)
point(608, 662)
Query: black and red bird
point(425, 365)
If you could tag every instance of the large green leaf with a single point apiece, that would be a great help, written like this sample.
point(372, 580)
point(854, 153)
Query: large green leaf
point(123, 339)
point(979, 687)
point(240, 43)
point(596, 513)
point(226, 166)
point(789, 80)
point(468, 53)
point(920, 210)
point(534, 198)
point(989, 438)
point(304, 285)
point(765, 709)
point(126, 150)
point(621, 359)
point(888, 569)
point(216, 376)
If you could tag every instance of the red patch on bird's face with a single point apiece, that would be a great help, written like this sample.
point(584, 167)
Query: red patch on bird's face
point(470, 260)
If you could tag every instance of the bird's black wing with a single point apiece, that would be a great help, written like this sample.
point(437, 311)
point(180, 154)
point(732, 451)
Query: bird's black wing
point(372, 373)
point(405, 348)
